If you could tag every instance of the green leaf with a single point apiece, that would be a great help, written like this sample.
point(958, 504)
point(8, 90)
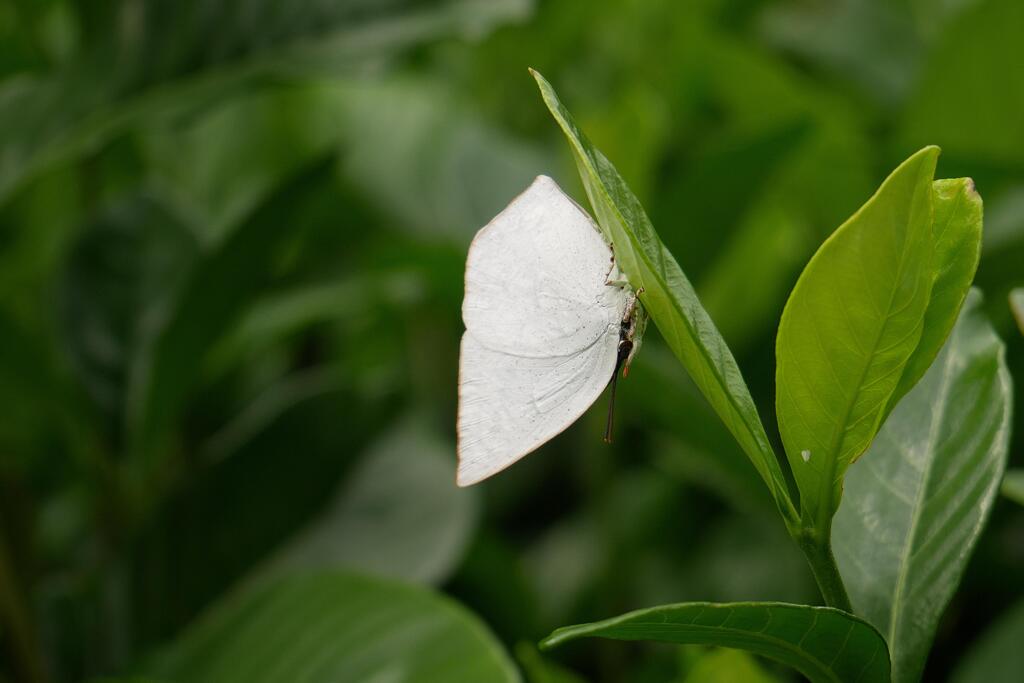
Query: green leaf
point(338, 627)
point(915, 505)
point(670, 300)
point(970, 116)
point(221, 286)
point(956, 231)
point(396, 515)
point(539, 670)
point(1017, 306)
point(850, 327)
point(997, 656)
point(721, 665)
point(165, 67)
point(1013, 485)
point(822, 643)
point(873, 44)
point(118, 280)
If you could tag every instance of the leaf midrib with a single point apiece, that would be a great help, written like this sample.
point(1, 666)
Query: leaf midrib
point(767, 455)
point(572, 633)
point(917, 510)
point(832, 463)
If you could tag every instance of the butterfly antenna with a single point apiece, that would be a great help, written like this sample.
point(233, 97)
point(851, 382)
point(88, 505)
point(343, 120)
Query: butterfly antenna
point(625, 347)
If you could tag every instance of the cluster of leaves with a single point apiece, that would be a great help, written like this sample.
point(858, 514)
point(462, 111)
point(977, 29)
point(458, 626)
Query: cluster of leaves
point(232, 238)
point(866, 319)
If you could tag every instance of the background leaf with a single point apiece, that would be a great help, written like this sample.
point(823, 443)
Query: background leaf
point(722, 665)
point(212, 299)
point(338, 627)
point(155, 67)
point(1013, 485)
point(397, 515)
point(1017, 304)
point(822, 643)
point(996, 657)
point(848, 330)
point(916, 503)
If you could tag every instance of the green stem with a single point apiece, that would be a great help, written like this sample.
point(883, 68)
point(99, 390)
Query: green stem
point(818, 551)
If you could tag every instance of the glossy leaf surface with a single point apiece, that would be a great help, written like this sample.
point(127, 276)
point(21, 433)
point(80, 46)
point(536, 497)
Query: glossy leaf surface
point(850, 326)
point(334, 627)
point(670, 299)
point(822, 643)
point(916, 503)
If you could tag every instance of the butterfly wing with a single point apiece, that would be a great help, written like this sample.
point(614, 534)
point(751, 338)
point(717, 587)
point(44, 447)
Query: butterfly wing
point(535, 278)
point(510, 405)
point(542, 329)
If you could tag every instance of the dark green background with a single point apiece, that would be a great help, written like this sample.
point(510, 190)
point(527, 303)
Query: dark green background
point(231, 247)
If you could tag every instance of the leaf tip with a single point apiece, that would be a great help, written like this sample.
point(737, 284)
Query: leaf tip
point(971, 188)
point(548, 643)
point(539, 77)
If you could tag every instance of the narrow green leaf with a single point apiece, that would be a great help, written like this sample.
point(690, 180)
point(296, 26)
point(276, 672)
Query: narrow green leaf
point(822, 643)
point(670, 300)
point(997, 656)
point(1013, 485)
point(916, 503)
point(956, 231)
point(1017, 306)
point(848, 330)
point(334, 627)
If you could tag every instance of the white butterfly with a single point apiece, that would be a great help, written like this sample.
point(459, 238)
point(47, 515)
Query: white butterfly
point(548, 324)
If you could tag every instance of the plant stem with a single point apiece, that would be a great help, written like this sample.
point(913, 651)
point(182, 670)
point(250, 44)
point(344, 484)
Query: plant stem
point(818, 551)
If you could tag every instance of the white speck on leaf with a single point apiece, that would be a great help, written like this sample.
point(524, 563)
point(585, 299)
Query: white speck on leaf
point(806, 455)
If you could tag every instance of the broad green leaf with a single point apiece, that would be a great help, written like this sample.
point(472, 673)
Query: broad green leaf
point(822, 643)
point(956, 231)
point(849, 328)
point(997, 656)
point(916, 503)
point(670, 300)
point(332, 626)
point(1017, 306)
point(396, 515)
point(1013, 485)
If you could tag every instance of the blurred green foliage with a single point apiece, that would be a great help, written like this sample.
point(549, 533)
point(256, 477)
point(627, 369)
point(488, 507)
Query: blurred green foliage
point(231, 247)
